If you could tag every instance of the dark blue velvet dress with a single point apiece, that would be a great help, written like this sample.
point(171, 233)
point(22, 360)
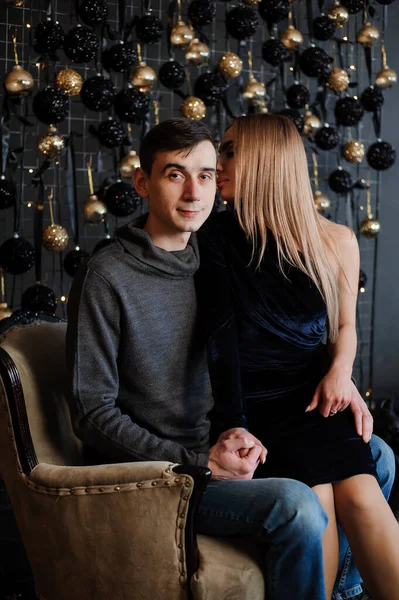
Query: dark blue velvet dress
point(266, 357)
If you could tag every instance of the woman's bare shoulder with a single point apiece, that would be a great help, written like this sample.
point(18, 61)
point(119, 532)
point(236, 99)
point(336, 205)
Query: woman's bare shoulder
point(342, 236)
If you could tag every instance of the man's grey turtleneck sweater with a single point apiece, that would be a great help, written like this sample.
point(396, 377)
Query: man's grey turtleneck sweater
point(140, 385)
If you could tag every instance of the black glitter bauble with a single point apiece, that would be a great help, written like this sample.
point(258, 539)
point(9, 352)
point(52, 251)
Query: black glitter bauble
point(274, 52)
point(73, 259)
point(119, 57)
point(323, 28)
point(131, 105)
point(201, 12)
point(340, 181)
point(295, 116)
point(111, 133)
point(8, 193)
point(80, 45)
point(149, 29)
point(353, 6)
point(39, 298)
point(50, 106)
point(102, 244)
point(348, 111)
point(17, 256)
point(93, 12)
point(372, 98)
point(362, 279)
point(121, 199)
point(274, 11)
point(314, 61)
point(172, 74)
point(241, 22)
point(98, 93)
point(297, 96)
point(48, 37)
point(210, 87)
point(327, 138)
point(381, 156)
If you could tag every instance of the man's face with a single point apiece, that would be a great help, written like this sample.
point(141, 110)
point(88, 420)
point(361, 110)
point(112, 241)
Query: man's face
point(181, 188)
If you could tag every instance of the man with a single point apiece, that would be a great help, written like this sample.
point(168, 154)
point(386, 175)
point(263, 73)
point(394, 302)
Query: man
point(140, 386)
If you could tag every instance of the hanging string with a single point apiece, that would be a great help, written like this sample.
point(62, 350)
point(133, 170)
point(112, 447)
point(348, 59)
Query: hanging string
point(90, 176)
point(50, 202)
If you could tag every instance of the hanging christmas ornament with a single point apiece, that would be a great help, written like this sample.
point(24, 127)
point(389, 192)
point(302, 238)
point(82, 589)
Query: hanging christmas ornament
point(327, 138)
point(93, 209)
point(369, 227)
point(119, 57)
point(210, 87)
point(348, 111)
point(339, 14)
point(353, 151)
point(181, 34)
point(55, 237)
point(197, 53)
point(324, 28)
point(80, 44)
point(39, 298)
point(254, 91)
point(311, 124)
point(51, 143)
point(143, 77)
point(193, 108)
point(362, 281)
point(8, 193)
point(131, 105)
point(172, 75)
point(340, 181)
point(121, 199)
point(295, 116)
point(230, 65)
point(201, 12)
point(98, 93)
point(129, 164)
point(241, 22)
point(5, 311)
point(149, 29)
point(381, 155)
point(372, 98)
point(274, 52)
point(18, 82)
point(291, 38)
point(314, 61)
point(48, 37)
point(17, 255)
point(74, 259)
point(353, 6)
point(50, 106)
point(368, 35)
point(338, 80)
point(297, 96)
point(274, 11)
point(387, 77)
point(93, 12)
point(111, 133)
point(321, 201)
point(69, 82)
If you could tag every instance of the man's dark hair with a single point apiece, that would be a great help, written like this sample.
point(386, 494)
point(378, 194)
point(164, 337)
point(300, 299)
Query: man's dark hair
point(172, 134)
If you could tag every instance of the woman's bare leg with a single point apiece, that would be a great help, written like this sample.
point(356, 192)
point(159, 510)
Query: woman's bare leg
point(325, 494)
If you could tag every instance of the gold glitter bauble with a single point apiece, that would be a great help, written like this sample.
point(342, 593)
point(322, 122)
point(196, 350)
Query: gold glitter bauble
point(51, 144)
point(181, 34)
point(197, 52)
point(193, 108)
point(143, 78)
point(18, 82)
point(94, 210)
point(129, 164)
point(230, 65)
point(69, 81)
point(339, 14)
point(368, 35)
point(370, 227)
point(5, 311)
point(386, 78)
point(292, 38)
point(338, 80)
point(254, 91)
point(55, 238)
point(321, 201)
point(353, 151)
point(311, 124)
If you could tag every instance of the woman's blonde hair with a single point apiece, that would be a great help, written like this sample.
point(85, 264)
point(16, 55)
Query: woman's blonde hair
point(273, 192)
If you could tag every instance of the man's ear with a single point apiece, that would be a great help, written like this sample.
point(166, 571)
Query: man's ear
point(140, 180)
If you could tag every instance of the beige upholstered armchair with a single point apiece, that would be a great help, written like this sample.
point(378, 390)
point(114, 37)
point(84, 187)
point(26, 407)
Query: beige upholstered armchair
point(112, 531)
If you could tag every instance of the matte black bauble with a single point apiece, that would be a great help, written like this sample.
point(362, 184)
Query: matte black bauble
point(327, 138)
point(8, 193)
point(274, 11)
point(201, 12)
point(50, 106)
point(353, 6)
point(372, 98)
point(149, 29)
point(172, 74)
point(98, 93)
point(48, 37)
point(323, 28)
point(39, 298)
point(241, 22)
point(348, 111)
point(17, 255)
point(73, 260)
point(119, 57)
point(297, 96)
point(80, 45)
point(102, 244)
point(340, 181)
point(314, 61)
point(131, 105)
point(121, 199)
point(111, 133)
point(274, 52)
point(93, 12)
point(381, 156)
point(295, 116)
point(210, 87)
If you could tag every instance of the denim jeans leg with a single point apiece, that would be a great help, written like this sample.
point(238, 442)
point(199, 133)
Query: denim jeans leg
point(285, 515)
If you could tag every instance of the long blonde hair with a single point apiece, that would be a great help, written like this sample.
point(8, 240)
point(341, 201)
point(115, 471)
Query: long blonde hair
point(273, 192)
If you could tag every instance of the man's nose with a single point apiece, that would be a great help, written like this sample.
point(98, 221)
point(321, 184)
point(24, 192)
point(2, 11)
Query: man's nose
point(191, 190)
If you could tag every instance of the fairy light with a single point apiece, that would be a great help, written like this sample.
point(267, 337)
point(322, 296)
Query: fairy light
point(62, 298)
point(30, 170)
point(362, 290)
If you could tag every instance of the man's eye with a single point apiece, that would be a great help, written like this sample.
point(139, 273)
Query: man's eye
point(206, 176)
point(175, 175)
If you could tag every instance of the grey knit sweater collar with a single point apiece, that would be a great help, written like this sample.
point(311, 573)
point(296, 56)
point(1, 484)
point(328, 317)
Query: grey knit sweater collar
point(138, 243)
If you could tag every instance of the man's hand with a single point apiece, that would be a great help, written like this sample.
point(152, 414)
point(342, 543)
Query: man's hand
point(225, 461)
point(240, 432)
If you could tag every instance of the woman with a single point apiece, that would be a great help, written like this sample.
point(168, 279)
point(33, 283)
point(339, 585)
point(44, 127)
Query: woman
point(275, 278)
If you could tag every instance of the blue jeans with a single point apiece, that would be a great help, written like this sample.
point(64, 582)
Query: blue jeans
point(286, 516)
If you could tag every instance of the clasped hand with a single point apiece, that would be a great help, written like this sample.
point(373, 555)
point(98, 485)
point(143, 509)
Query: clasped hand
point(236, 455)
